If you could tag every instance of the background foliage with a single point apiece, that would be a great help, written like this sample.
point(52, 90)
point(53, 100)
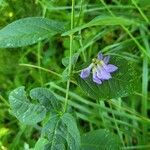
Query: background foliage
point(117, 27)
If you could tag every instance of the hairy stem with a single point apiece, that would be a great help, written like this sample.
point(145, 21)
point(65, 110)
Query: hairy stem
point(70, 57)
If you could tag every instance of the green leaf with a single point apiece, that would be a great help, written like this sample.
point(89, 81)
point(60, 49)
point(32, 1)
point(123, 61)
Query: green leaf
point(65, 61)
point(62, 133)
point(100, 140)
point(23, 109)
point(123, 82)
point(40, 144)
point(46, 98)
point(28, 31)
point(65, 75)
point(103, 20)
point(144, 3)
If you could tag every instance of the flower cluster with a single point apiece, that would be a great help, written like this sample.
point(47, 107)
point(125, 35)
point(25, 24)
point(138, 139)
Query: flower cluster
point(100, 69)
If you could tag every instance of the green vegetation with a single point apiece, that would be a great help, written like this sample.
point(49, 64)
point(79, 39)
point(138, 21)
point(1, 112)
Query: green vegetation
point(45, 104)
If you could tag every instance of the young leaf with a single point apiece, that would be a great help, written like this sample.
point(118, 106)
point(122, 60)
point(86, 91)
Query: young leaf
point(23, 109)
point(123, 82)
point(100, 139)
point(28, 31)
point(65, 75)
point(46, 98)
point(65, 61)
point(62, 133)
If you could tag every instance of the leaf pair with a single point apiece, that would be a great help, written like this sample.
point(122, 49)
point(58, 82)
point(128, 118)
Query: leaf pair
point(60, 131)
point(30, 113)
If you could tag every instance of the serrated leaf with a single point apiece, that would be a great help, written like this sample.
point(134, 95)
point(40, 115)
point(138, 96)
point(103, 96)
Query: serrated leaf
point(123, 82)
point(100, 139)
point(103, 20)
point(46, 98)
point(28, 31)
point(62, 133)
point(23, 109)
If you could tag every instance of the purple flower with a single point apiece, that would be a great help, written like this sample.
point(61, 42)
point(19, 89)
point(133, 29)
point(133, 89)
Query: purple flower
point(100, 69)
point(86, 72)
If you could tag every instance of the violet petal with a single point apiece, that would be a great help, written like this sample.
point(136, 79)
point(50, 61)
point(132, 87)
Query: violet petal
point(103, 74)
point(96, 79)
point(110, 68)
point(86, 72)
point(106, 59)
point(100, 56)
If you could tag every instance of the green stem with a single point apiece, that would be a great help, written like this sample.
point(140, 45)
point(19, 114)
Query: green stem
point(80, 41)
point(80, 13)
point(141, 12)
point(70, 56)
point(39, 50)
point(41, 68)
point(81, 44)
point(145, 83)
point(4, 100)
point(39, 61)
point(119, 133)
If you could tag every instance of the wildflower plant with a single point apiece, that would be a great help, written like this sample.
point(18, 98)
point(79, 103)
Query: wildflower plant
point(100, 69)
point(108, 77)
point(56, 108)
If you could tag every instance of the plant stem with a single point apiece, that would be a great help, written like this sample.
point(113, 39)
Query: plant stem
point(140, 10)
point(145, 75)
point(41, 68)
point(4, 100)
point(117, 128)
point(39, 61)
point(81, 44)
point(70, 56)
point(39, 51)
